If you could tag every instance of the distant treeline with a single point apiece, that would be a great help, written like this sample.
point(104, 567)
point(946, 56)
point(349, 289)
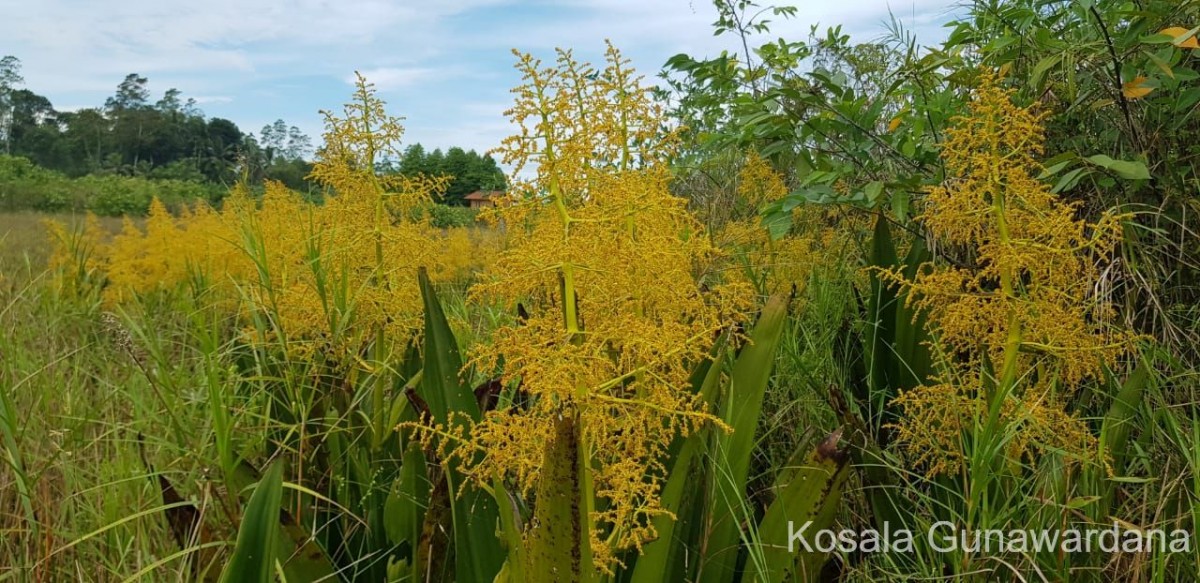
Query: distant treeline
point(172, 142)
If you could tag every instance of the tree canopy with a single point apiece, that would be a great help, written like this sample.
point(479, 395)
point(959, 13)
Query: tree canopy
point(134, 134)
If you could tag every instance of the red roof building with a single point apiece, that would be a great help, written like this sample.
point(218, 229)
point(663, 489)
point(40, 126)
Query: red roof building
point(483, 198)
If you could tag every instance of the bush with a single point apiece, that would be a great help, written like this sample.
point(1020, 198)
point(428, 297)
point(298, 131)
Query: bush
point(119, 195)
point(26, 186)
point(446, 217)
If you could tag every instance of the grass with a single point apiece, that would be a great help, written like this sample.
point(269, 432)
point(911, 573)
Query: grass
point(77, 502)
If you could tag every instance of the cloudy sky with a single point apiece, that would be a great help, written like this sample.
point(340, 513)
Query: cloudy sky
point(443, 64)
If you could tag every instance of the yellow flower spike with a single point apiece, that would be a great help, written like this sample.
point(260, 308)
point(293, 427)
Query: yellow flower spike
point(600, 254)
point(1026, 305)
point(331, 277)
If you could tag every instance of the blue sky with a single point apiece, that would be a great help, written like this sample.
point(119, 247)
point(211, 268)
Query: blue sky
point(444, 65)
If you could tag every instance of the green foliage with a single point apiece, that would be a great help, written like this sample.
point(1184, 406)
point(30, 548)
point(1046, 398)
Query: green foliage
point(858, 130)
point(860, 126)
point(25, 186)
point(468, 170)
point(478, 556)
point(253, 559)
point(446, 217)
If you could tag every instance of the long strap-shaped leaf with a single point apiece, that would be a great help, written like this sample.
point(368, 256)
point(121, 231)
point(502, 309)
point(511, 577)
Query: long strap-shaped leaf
point(477, 552)
point(805, 504)
point(253, 558)
point(732, 452)
point(661, 560)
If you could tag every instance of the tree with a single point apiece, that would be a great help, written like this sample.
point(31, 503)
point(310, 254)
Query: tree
point(127, 108)
point(131, 94)
point(273, 139)
point(299, 145)
point(170, 104)
point(87, 136)
point(467, 169)
point(33, 128)
point(224, 146)
point(10, 77)
point(413, 161)
point(458, 166)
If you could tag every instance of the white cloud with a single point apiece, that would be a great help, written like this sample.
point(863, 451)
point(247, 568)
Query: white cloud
point(202, 99)
point(392, 78)
point(71, 45)
point(686, 25)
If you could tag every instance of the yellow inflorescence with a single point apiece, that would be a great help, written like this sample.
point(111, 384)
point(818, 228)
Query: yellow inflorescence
point(329, 278)
point(605, 260)
point(782, 264)
point(1024, 305)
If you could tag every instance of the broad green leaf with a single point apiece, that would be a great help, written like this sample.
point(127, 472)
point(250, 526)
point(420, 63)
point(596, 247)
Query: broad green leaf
point(741, 407)
point(477, 552)
point(811, 495)
point(659, 557)
point(253, 559)
point(1127, 169)
point(404, 510)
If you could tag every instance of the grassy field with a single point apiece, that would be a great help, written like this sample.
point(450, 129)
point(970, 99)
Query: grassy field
point(75, 402)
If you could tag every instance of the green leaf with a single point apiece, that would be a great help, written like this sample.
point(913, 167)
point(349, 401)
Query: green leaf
point(1127, 169)
point(253, 559)
point(872, 191)
point(1119, 420)
point(811, 495)
point(660, 558)
point(1132, 480)
point(1081, 501)
point(1054, 168)
point(477, 552)
point(1068, 180)
point(900, 204)
point(440, 385)
point(741, 407)
point(1040, 69)
point(404, 509)
point(778, 223)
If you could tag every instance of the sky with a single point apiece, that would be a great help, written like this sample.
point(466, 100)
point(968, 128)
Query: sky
point(444, 65)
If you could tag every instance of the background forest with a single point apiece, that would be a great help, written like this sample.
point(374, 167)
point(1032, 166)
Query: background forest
point(132, 148)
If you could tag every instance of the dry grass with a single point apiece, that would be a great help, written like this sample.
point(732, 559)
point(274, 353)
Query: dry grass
point(24, 239)
point(25, 243)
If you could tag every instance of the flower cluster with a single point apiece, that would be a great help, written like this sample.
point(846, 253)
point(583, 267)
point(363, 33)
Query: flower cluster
point(771, 265)
point(605, 262)
point(1017, 319)
point(327, 278)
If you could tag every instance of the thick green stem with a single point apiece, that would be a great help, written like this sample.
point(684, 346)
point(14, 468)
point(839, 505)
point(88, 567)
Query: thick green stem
point(1012, 343)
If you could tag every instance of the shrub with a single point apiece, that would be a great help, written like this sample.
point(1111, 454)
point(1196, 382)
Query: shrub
point(447, 217)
